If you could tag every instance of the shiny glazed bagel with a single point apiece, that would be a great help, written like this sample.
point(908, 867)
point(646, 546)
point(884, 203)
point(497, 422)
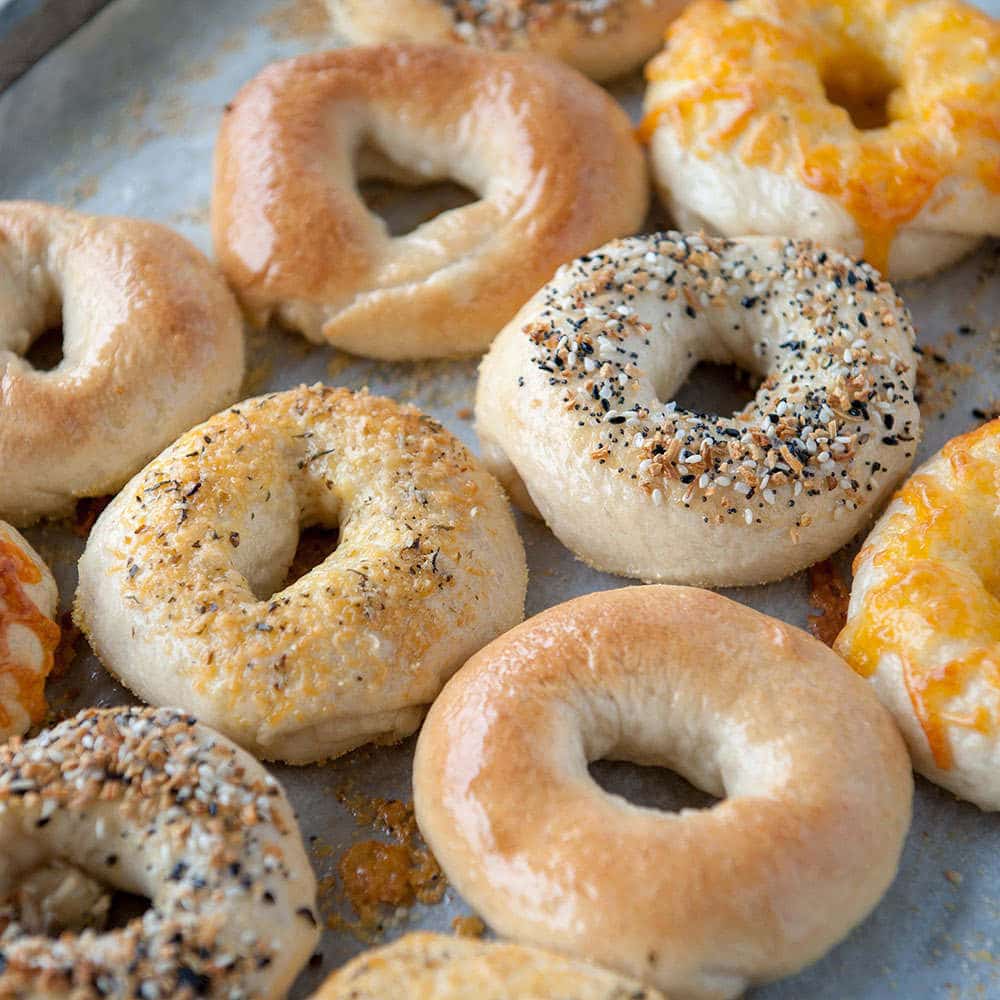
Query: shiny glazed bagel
point(183, 591)
point(924, 619)
point(866, 125)
point(575, 408)
point(152, 343)
point(28, 635)
point(814, 777)
point(602, 39)
point(149, 802)
point(550, 155)
point(423, 966)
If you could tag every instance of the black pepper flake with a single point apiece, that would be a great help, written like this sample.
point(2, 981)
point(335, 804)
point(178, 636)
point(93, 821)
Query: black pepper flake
point(197, 982)
point(234, 539)
point(307, 914)
point(748, 301)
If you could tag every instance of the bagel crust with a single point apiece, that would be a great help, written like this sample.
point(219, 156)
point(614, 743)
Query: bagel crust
point(923, 624)
point(762, 117)
point(814, 777)
point(601, 39)
point(149, 802)
point(152, 343)
point(424, 966)
point(575, 414)
point(182, 585)
point(551, 156)
point(28, 635)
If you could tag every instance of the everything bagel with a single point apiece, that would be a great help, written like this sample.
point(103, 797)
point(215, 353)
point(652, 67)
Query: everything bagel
point(602, 39)
point(149, 802)
point(575, 414)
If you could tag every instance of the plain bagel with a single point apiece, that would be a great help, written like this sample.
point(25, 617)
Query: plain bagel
point(814, 777)
point(152, 343)
point(576, 416)
point(183, 591)
point(550, 155)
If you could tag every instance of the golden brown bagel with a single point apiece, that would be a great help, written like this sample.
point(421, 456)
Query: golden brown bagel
point(152, 343)
point(423, 966)
point(182, 585)
point(550, 154)
point(601, 38)
point(814, 776)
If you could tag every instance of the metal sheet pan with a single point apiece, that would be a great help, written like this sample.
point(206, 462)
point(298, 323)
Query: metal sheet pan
point(121, 118)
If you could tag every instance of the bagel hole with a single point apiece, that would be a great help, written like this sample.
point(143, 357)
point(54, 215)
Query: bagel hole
point(46, 350)
point(649, 787)
point(717, 389)
point(316, 542)
point(405, 207)
point(862, 86)
point(57, 898)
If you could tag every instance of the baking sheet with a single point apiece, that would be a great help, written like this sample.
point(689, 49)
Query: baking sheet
point(121, 118)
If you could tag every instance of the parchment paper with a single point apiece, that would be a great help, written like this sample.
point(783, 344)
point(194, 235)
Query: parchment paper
point(121, 118)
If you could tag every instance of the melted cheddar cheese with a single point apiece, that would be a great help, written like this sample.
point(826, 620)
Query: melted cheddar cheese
point(18, 570)
point(936, 599)
point(757, 76)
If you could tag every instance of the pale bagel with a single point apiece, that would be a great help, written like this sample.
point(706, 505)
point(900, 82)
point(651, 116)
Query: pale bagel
point(152, 343)
point(602, 39)
point(924, 619)
point(815, 781)
point(749, 128)
point(550, 155)
point(181, 584)
point(28, 635)
point(575, 414)
point(423, 966)
point(149, 802)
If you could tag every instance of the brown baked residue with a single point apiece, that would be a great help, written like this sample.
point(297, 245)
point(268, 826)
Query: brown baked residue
point(297, 20)
point(87, 511)
point(829, 594)
point(468, 927)
point(377, 877)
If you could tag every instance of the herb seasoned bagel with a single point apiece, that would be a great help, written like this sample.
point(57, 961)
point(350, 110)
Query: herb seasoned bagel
point(924, 619)
point(149, 802)
point(423, 966)
point(550, 155)
point(814, 777)
point(28, 634)
point(152, 343)
point(601, 38)
point(575, 414)
point(866, 125)
point(183, 591)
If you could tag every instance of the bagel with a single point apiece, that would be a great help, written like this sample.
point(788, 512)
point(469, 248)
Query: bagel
point(28, 634)
point(550, 155)
point(181, 588)
point(749, 117)
point(575, 416)
point(602, 40)
point(152, 343)
point(701, 903)
point(148, 802)
point(923, 622)
point(423, 966)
